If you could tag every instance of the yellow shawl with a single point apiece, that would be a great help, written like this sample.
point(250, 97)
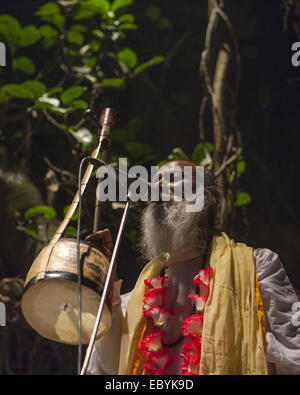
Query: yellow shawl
point(233, 328)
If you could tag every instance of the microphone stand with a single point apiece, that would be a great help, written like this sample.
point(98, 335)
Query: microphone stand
point(98, 163)
point(105, 289)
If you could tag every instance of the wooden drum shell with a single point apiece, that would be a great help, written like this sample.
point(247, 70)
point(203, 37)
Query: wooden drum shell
point(50, 299)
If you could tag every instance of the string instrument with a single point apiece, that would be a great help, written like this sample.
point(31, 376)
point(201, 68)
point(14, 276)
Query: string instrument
point(50, 298)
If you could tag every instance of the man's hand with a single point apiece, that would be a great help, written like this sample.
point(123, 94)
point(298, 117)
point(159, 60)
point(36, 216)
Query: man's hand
point(105, 244)
point(104, 240)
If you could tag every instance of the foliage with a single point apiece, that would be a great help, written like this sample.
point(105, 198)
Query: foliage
point(85, 58)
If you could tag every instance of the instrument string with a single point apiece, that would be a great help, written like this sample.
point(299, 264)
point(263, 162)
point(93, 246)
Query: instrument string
point(79, 355)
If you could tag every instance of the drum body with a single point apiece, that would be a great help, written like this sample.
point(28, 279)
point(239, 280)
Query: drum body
point(50, 298)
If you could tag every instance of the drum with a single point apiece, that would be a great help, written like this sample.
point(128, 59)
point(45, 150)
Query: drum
point(50, 298)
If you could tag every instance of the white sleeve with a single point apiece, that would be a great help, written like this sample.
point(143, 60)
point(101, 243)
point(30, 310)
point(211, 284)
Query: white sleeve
point(105, 354)
point(279, 302)
point(106, 351)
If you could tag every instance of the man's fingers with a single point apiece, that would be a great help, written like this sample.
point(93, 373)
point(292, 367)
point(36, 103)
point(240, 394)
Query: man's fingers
point(95, 236)
point(107, 239)
point(103, 235)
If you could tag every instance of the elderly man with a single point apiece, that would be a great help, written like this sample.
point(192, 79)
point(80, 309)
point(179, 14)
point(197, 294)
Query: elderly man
point(203, 304)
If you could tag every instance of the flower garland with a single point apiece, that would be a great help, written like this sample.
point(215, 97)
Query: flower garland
point(158, 358)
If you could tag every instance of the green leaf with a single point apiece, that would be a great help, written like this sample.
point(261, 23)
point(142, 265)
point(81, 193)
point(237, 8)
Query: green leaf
point(70, 231)
point(28, 36)
point(57, 20)
point(28, 90)
point(142, 67)
point(95, 45)
point(84, 13)
point(46, 102)
point(116, 83)
point(98, 33)
point(41, 105)
point(126, 18)
point(48, 9)
point(178, 153)
point(129, 57)
point(199, 152)
point(152, 62)
point(71, 94)
point(161, 163)
point(59, 111)
point(79, 105)
point(49, 34)
point(24, 64)
point(90, 8)
point(91, 62)
point(46, 211)
point(101, 6)
point(156, 60)
point(10, 28)
point(32, 229)
point(242, 198)
point(117, 4)
point(78, 27)
point(35, 87)
point(74, 37)
point(74, 216)
point(241, 166)
point(53, 91)
point(127, 26)
point(17, 91)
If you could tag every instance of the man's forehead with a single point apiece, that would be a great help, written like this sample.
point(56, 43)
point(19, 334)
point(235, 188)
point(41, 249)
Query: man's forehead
point(175, 164)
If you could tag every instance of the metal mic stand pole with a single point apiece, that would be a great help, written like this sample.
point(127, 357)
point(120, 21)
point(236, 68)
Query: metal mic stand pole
point(105, 290)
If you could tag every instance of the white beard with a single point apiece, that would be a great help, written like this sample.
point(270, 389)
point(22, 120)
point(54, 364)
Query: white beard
point(169, 230)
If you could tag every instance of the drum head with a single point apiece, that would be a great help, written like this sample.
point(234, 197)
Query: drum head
point(51, 307)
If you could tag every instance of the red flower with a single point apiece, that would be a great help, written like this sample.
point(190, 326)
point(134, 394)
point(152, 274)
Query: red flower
point(154, 297)
point(191, 365)
point(152, 342)
point(158, 361)
point(160, 315)
point(199, 302)
point(157, 282)
point(203, 276)
point(192, 347)
point(192, 326)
